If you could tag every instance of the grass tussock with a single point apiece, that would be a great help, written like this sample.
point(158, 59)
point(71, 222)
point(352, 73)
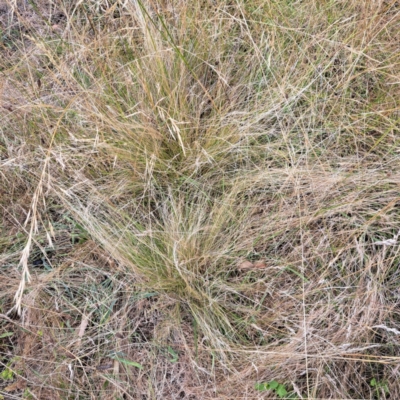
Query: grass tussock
point(199, 199)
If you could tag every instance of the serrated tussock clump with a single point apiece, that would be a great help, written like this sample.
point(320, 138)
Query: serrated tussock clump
point(199, 201)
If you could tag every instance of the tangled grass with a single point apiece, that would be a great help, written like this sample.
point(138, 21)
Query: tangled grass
point(199, 199)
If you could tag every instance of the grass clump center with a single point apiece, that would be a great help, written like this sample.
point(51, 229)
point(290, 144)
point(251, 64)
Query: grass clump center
point(199, 201)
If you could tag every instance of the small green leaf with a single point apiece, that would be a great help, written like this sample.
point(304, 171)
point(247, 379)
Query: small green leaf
point(281, 391)
point(7, 374)
point(385, 388)
point(27, 394)
point(261, 387)
point(128, 362)
point(373, 382)
point(6, 334)
point(174, 355)
point(273, 385)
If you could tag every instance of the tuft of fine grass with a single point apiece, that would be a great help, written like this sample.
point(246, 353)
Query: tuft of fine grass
point(198, 199)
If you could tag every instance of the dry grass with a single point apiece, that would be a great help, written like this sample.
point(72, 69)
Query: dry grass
point(197, 197)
